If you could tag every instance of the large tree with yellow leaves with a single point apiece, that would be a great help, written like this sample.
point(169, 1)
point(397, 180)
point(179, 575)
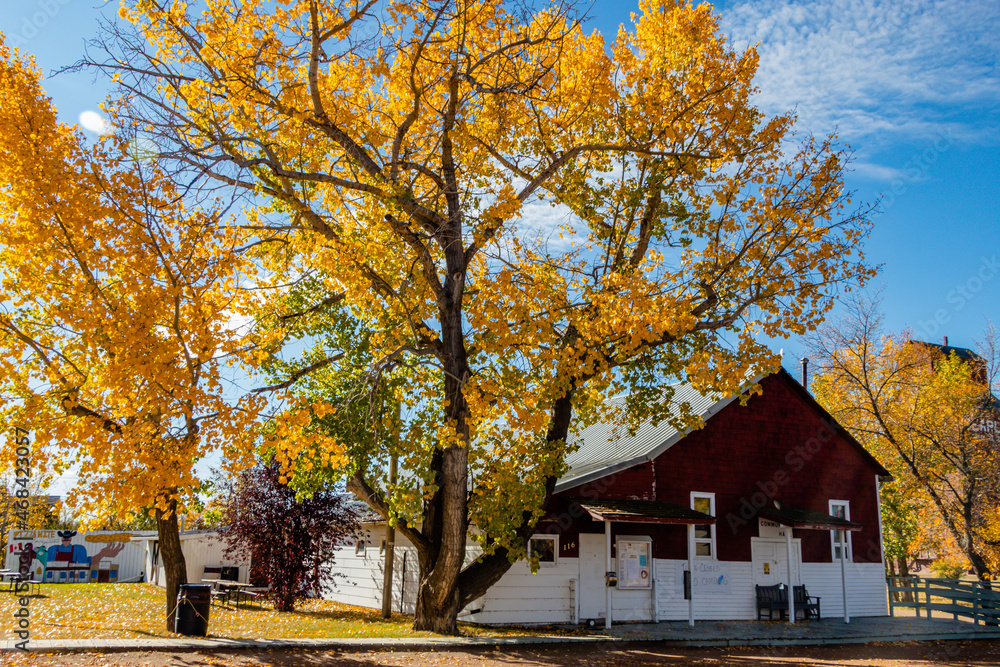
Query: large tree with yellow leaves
point(113, 333)
point(524, 215)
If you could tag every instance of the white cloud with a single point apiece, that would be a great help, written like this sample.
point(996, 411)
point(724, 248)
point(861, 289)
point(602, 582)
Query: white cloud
point(878, 172)
point(873, 69)
point(95, 122)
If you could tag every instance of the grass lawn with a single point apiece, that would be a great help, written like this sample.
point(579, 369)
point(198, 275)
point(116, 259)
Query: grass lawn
point(131, 611)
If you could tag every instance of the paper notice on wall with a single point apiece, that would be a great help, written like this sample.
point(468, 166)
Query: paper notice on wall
point(632, 571)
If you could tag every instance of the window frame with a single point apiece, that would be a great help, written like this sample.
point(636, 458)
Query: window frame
point(361, 547)
point(834, 545)
point(711, 541)
point(555, 548)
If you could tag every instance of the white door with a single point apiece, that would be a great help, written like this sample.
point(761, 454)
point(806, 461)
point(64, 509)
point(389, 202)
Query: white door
point(592, 568)
point(770, 561)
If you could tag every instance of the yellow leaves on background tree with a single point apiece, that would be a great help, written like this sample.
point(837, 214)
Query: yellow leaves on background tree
point(931, 418)
point(117, 296)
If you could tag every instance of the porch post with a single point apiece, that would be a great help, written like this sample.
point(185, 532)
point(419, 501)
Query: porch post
point(791, 582)
point(843, 572)
point(607, 562)
point(691, 574)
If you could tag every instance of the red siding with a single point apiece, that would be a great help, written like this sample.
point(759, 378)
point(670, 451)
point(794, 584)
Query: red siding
point(777, 446)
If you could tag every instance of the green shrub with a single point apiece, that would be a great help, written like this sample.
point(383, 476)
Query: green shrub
point(949, 568)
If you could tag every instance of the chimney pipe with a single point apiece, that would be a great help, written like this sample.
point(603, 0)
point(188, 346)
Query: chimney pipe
point(805, 372)
point(946, 341)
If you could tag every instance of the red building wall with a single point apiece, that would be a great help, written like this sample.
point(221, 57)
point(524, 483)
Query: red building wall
point(777, 446)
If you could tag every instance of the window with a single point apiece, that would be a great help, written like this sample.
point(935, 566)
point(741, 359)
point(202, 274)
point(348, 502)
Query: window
point(359, 548)
point(544, 548)
point(382, 547)
point(842, 510)
point(704, 533)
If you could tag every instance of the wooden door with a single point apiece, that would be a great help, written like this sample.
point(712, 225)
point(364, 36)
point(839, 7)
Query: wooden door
point(770, 561)
point(592, 568)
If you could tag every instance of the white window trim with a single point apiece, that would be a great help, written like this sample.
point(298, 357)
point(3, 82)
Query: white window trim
point(833, 533)
point(555, 548)
point(711, 526)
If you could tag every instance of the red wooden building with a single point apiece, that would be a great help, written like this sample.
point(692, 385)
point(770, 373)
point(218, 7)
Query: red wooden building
point(763, 485)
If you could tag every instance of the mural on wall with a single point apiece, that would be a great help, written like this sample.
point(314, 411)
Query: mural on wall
point(69, 557)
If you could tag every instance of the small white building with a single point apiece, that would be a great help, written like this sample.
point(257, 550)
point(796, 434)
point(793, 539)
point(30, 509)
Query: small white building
point(203, 550)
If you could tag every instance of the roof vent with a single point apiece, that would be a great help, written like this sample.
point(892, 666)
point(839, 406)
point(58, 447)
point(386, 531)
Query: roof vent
point(805, 372)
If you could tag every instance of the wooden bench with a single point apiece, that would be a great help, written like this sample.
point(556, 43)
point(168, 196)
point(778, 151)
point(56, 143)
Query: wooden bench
point(772, 598)
point(809, 604)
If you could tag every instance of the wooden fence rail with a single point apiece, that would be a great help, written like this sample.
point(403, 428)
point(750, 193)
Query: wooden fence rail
point(968, 599)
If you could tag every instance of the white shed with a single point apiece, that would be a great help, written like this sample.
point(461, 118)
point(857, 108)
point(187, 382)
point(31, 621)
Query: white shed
point(202, 549)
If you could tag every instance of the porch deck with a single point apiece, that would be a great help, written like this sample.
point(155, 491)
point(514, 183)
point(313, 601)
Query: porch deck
point(827, 631)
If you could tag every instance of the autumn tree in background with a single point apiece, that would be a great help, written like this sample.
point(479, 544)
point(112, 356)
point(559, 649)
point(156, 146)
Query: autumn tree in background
point(931, 419)
point(35, 511)
point(113, 330)
point(524, 215)
point(291, 543)
point(900, 530)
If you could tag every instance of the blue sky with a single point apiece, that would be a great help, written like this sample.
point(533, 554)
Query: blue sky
point(911, 86)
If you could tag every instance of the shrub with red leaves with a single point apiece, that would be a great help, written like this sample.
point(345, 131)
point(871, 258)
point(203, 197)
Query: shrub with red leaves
point(291, 544)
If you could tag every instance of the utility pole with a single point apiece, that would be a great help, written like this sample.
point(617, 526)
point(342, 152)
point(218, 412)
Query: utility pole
point(390, 527)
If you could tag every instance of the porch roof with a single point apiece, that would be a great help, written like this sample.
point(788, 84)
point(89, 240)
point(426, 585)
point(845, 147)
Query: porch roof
point(641, 511)
point(804, 519)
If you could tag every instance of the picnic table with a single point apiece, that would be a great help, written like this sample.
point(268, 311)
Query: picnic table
point(17, 577)
point(228, 591)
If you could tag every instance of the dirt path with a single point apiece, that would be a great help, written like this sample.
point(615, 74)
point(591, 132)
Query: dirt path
point(897, 654)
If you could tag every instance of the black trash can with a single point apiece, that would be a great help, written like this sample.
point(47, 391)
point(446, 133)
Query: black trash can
point(230, 573)
point(193, 603)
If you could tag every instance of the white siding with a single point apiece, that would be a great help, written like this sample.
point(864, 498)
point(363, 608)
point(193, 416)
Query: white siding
point(522, 597)
point(547, 596)
point(207, 551)
point(735, 605)
point(866, 592)
point(359, 577)
point(200, 550)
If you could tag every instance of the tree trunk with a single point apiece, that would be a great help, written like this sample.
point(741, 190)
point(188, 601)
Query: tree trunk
point(890, 571)
point(440, 598)
point(173, 558)
point(446, 510)
point(978, 563)
point(433, 613)
point(285, 601)
point(446, 529)
point(904, 571)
